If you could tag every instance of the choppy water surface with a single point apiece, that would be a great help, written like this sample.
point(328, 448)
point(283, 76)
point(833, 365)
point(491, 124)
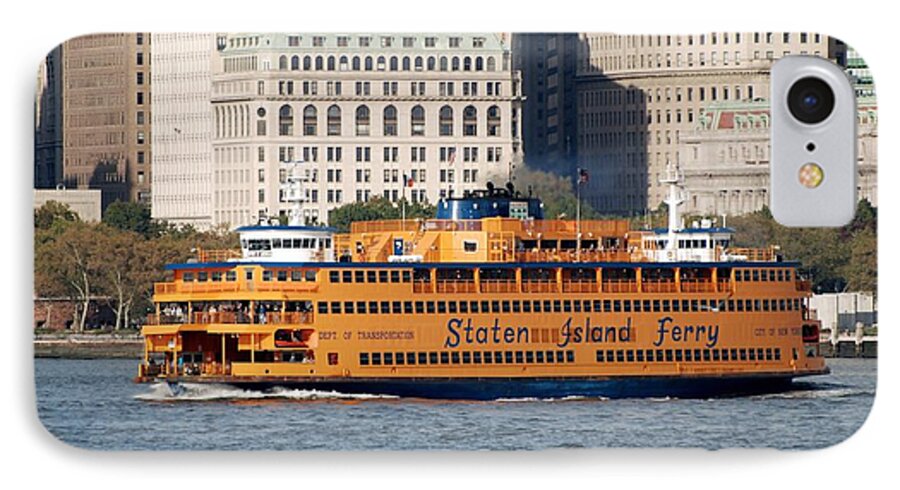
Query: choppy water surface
point(94, 404)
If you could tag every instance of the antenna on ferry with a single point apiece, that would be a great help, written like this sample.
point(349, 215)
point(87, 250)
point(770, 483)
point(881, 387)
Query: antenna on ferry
point(673, 177)
point(293, 191)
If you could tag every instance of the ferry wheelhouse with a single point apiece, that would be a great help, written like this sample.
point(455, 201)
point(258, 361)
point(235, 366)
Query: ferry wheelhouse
point(487, 300)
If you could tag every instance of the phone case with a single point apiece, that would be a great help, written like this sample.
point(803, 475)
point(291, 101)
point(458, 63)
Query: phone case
point(439, 241)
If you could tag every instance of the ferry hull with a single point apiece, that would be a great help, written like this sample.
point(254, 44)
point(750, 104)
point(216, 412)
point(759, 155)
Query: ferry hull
point(493, 389)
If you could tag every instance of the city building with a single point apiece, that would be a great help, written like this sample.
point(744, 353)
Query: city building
point(83, 202)
point(48, 149)
point(726, 157)
point(105, 107)
point(423, 116)
point(639, 95)
point(547, 63)
point(182, 122)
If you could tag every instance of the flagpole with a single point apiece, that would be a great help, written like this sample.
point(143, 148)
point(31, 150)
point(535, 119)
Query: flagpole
point(403, 203)
point(578, 217)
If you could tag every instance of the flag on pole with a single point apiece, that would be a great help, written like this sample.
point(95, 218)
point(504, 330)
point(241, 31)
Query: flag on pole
point(583, 176)
point(408, 181)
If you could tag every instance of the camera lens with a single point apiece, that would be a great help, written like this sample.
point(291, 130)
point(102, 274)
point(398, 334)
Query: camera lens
point(810, 100)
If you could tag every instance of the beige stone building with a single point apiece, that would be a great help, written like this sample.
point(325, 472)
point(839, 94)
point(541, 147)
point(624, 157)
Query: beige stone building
point(83, 202)
point(361, 111)
point(106, 115)
point(639, 96)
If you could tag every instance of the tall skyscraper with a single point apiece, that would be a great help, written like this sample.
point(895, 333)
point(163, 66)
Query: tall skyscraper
point(106, 115)
point(638, 96)
point(48, 122)
point(383, 114)
point(183, 128)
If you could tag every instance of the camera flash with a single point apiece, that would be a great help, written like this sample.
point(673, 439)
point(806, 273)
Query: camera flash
point(811, 175)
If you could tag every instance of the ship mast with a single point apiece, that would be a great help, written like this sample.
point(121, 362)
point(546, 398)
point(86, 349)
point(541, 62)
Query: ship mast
point(673, 177)
point(293, 191)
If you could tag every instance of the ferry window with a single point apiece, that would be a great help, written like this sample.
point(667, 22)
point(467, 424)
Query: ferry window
point(704, 305)
point(361, 307)
point(216, 276)
point(607, 305)
point(765, 276)
point(429, 307)
point(715, 354)
point(536, 306)
point(323, 307)
point(676, 305)
point(640, 355)
point(779, 276)
point(738, 276)
point(529, 357)
point(508, 357)
point(771, 275)
point(187, 277)
point(734, 354)
point(388, 358)
point(666, 305)
point(432, 357)
point(570, 356)
point(669, 356)
point(755, 275)
point(498, 357)
point(769, 354)
point(526, 306)
point(395, 276)
point(282, 276)
point(756, 305)
point(406, 276)
point(363, 358)
point(382, 276)
point(399, 358)
point(407, 307)
point(697, 354)
point(470, 246)
point(730, 305)
point(610, 356)
point(505, 306)
point(334, 276)
point(685, 305)
point(396, 308)
point(765, 305)
point(760, 352)
point(476, 357)
point(539, 357)
point(549, 354)
point(548, 306)
point(441, 307)
point(335, 307)
point(385, 307)
point(743, 353)
point(740, 305)
point(359, 276)
point(311, 276)
point(576, 306)
point(231, 276)
point(467, 357)
point(560, 356)
point(473, 306)
point(488, 358)
point(495, 306)
point(587, 306)
point(617, 306)
point(787, 275)
point(629, 356)
point(373, 307)
point(706, 355)
point(267, 276)
point(276, 243)
point(484, 307)
point(777, 354)
point(687, 355)
point(782, 305)
point(519, 357)
point(296, 276)
point(454, 357)
point(557, 306)
point(679, 357)
point(751, 354)
point(410, 357)
point(202, 276)
point(516, 306)
point(597, 306)
point(370, 276)
point(656, 305)
point(376, 358)
point(347, 276)
point(445, 358)
point(348, 307)
point(695, 305)
point(451, 306)
point(567, 306)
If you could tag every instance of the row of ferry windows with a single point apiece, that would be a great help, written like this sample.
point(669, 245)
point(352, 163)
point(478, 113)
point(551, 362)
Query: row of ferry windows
point(765, 275)
point(466, 357)
point(369, 276)
point(689, 355)
point(560, 306)
point(267, 275)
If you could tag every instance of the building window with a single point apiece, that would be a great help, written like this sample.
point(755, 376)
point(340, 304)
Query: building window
point(334, 121)
point(140, 137)
point(141, 157)
point(295, 63)
point(493, 121)
point(286, 121)
point(417, 121)
point(310, 120)
point(470, 121)
point(362, 121)
point(390, 121)
point(140, 98)
point(446, 121)
point(140, 118)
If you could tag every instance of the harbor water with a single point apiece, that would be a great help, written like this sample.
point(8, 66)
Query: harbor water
point(94, 404)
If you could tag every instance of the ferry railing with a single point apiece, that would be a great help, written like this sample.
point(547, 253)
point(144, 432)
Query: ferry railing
point(498, 286)
point(453, 225)
point(572, 256)
point(579, 286)
point(154, 319)
point(753, 254)
point(654, 286)
point(289, 317)
point(385, 226)
point(195, 287)
point(697, 286)
point(286, 286)
point(454, 286)
point(540, 286)
point(217, 255)
point(724, 286)
point(622, 286)
point(422, 287)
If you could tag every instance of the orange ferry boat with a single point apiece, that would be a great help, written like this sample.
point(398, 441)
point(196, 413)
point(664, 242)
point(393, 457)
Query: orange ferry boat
point(487, 301)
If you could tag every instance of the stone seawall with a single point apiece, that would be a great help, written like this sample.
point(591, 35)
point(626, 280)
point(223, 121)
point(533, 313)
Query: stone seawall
point(98, 346)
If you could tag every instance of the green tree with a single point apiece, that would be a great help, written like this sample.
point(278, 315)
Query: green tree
point(555, 192)
point(376, 209)
point(53, 213)
point(861, 271)
point(131, 216)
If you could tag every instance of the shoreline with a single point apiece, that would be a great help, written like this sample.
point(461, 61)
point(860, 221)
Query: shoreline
point(88, 346)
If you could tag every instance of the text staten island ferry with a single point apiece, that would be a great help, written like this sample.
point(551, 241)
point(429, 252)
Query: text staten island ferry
point(487, 300)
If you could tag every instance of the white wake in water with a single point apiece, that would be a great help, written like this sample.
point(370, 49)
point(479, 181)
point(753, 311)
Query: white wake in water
point(214, 392)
